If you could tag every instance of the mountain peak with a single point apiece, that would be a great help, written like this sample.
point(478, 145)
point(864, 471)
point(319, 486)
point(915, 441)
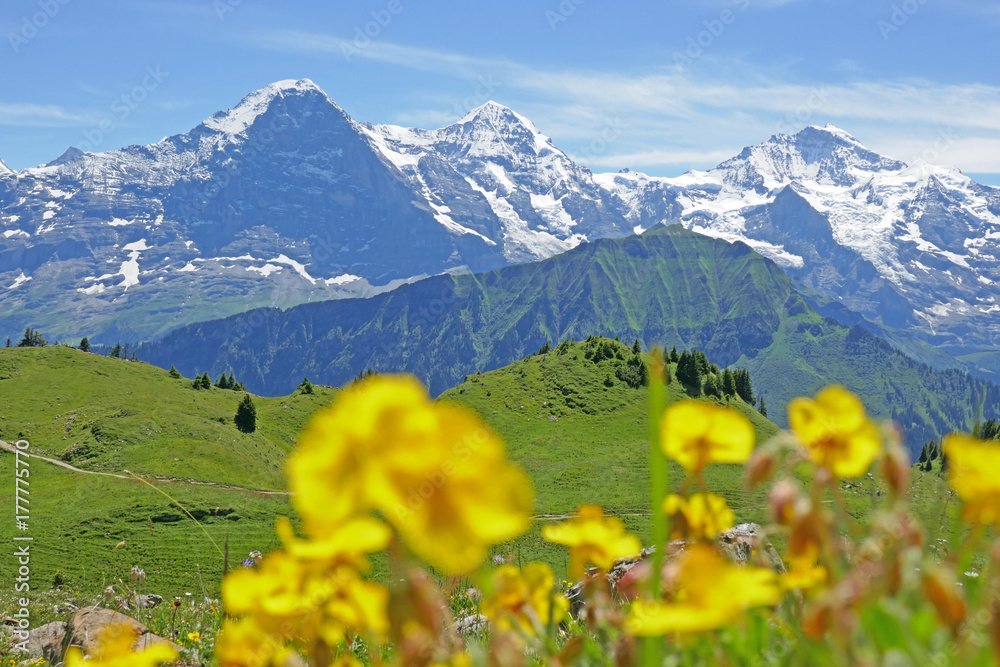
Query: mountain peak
point(243, 115)
point(823, 155)
point(68, 155)
point(4, 169)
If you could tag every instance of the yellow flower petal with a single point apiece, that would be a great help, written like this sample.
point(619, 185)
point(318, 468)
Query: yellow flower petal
point(697, 433)
point(972, 473)
point(835, 431)
point(593, 539)
point(435, 471)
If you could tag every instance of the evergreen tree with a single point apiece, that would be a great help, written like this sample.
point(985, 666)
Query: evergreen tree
point(174, 373)
point(932, 452)
point(116, 351)
point(743, 385)
point(206, 381)
point(222, 382)
point(923, 456)
point(702, 362)
point(32, 338)
point(688, 371)
point(306, 386)
point(711, 386)
point(674, 356)
point(761, 407)
point(728, 383)
point(232, 381)
point(544, 349)
point(668, 377)
point(608, 382)
point(991, 429)
point(636, 348)
point(84, 344)
point(246, 415)
point(9, 343)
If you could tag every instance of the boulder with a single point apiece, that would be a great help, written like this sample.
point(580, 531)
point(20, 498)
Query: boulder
point(85, 626)
point(46, 642)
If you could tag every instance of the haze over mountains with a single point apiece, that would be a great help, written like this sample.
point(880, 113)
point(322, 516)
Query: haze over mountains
point(286, 199)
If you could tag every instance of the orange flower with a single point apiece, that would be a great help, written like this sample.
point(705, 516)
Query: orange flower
point(835, 431)
point(696, 433)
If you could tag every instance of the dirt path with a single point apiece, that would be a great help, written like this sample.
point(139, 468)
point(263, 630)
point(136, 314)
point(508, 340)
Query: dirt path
point(172, 480)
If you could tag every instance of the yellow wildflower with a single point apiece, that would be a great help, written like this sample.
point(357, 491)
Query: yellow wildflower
point(114, 649)
point(803, 573)
point(972, 473)
point(592, 538)
point(194, 636)
point(435, 471)
point(696, 433)
point(703, 515)
point(294, 600)
point(345, 544)
point(525, 601)
point(835, 431)
point(714, 592)
point(245, 644)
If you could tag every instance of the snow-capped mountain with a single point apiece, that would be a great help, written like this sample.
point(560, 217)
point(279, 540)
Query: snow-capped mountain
point(285, 199)
point(909, 246)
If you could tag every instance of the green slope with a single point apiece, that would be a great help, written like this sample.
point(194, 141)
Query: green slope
point(667, 287)
point(580, 440)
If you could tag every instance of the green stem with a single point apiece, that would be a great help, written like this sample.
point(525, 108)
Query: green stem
point(658, 474)
point(659, 481)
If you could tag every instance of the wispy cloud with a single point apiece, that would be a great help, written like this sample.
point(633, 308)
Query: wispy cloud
point(41, 115)
point(665, 111)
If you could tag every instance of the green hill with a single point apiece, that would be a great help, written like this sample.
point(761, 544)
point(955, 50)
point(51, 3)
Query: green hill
point(667, 287)
point(107, 415)
point(578, 430)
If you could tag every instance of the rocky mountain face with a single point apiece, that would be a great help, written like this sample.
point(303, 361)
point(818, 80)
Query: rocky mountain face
point(665, 287)
point(285, 199)
point(906, 246)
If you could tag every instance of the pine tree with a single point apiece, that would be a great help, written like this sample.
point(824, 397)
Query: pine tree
point(232, 381)
point(636, 348)
point(84, 344)
point(9, 343)
point(711, 387)
point(32, 338)
point(688, 371)
point(667, 375)
point(923, 456)
point(544, 349)
point(206, 381)
point(702, 362)
point(743, 385)
point(174, 373)
point(728, 383)
point(306, 387)
point(222, 382)
point(116, 351)
point(246, 415)
point(674, 356)
point(761, 407)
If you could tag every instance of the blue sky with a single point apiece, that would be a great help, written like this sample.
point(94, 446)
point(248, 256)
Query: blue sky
point(661, 87)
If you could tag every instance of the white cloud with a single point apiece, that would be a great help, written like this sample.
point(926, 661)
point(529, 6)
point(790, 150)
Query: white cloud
point(672, 117)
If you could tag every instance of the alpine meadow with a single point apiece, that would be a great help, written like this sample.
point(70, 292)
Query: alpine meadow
point(531, 334)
